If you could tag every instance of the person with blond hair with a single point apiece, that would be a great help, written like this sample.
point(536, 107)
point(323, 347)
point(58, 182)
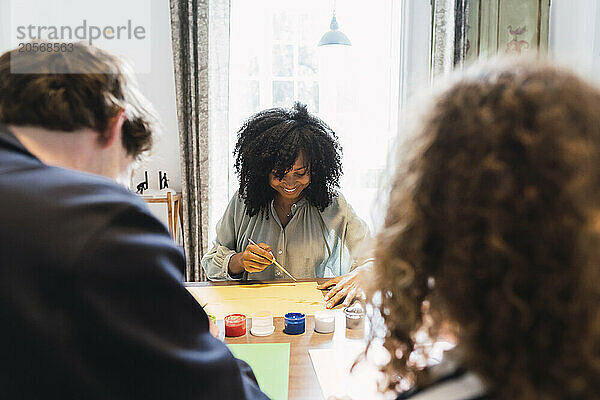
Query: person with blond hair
point(493, 228)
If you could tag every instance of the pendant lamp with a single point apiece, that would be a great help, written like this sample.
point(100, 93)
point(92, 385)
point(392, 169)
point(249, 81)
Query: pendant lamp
point(334, 36)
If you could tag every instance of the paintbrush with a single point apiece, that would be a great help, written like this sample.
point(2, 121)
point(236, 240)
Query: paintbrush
point(274, 261)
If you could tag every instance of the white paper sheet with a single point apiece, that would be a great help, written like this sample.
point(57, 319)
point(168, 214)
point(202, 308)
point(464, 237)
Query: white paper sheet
point(332, 367)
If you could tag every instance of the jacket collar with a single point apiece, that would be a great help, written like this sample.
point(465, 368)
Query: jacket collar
point(9, 141)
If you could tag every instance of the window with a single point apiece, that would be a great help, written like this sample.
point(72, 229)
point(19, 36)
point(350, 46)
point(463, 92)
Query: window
point(274, 61)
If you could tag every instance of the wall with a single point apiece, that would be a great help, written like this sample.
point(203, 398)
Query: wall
point(159, 87)
point(4, 25)
point(416, 50)
point(574, 37)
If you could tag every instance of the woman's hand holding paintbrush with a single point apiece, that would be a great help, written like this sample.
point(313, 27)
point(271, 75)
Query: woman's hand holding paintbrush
point(255, 258)
point(272, 257)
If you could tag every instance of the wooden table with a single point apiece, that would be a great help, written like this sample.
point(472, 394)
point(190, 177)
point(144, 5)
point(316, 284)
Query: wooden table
point(303, 382)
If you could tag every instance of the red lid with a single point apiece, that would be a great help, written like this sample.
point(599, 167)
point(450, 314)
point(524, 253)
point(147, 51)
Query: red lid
point(235, 319)
point(235, 325)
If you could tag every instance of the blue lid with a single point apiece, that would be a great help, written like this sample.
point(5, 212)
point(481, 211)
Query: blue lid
point(294, 323)
point(294, 318)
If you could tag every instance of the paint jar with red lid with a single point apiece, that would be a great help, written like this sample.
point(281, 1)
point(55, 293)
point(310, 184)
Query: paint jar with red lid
point(235, 325)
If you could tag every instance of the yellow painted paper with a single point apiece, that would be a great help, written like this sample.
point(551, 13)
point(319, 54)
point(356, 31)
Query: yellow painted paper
point(279, 298)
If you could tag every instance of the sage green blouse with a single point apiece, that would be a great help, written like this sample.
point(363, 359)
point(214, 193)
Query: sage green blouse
point(312, 244)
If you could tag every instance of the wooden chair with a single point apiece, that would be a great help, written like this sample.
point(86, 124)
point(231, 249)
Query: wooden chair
point(174, 210)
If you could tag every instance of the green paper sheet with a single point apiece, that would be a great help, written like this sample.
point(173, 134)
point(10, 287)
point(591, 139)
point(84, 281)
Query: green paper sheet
point(270, 363)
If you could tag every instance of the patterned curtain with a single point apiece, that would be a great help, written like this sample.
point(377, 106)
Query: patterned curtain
point(449, 39)
point(189, 22)
point(202, 88)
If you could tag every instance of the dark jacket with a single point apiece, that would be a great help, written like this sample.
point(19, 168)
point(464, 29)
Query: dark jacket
point(91, 297)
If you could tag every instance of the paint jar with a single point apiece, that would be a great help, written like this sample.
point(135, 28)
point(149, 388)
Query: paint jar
point(294, 323)
point(324, 321)
point(355, 316)
point(235, 325)
point(262, 323)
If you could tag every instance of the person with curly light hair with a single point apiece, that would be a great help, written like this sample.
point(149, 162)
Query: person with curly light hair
point(289, 165)
point(493, 227)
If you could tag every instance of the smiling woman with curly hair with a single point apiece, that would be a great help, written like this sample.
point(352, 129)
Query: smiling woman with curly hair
point(289, 165)
point(493, 227)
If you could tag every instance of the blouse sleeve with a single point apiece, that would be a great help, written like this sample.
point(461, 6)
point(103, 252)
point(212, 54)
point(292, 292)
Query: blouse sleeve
point(216, 261)
point(352, 230)
point(358, 237)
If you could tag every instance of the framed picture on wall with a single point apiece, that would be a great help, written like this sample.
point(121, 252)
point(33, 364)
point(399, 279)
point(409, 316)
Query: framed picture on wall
point(506, 27)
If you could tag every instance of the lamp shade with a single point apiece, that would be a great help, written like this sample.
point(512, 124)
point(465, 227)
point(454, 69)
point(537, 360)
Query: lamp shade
point(334, 36)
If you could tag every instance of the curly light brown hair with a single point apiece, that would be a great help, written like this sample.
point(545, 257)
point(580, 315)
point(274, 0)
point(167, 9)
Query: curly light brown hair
point(494, 223)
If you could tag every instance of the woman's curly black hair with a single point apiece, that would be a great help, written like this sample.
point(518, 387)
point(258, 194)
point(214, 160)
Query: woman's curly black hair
point(271, 140)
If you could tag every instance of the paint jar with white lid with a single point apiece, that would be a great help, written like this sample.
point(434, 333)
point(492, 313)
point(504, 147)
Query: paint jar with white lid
point(324, 321)
point(262, 323)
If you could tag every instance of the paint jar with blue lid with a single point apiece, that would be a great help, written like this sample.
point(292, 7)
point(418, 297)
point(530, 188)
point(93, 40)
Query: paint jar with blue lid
point(294, 323)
